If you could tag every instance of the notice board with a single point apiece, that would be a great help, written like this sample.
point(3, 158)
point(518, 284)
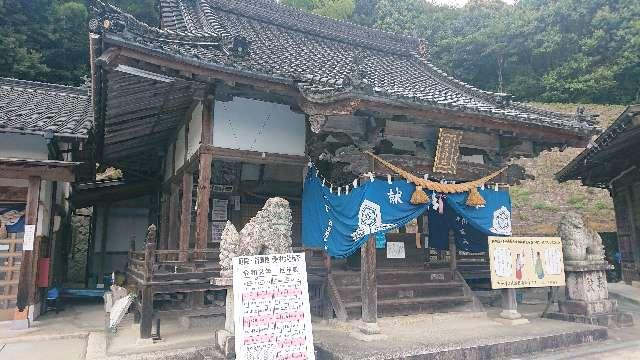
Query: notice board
point(521, 262)
point(271, 308)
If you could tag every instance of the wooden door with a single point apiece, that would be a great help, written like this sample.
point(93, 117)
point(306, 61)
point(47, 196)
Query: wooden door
point(10, 258)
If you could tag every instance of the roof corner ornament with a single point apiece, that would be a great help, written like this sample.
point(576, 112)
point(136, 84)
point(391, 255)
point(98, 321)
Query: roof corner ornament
point(357, 78)
point(240, 46)
point(317, 122)
point(584, 117)
point(503, 100)
point(423, 49)
point(104, 18)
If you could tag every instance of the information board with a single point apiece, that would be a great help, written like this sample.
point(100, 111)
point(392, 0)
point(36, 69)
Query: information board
point(271, 308)
point(521, 262)
point(395, 250)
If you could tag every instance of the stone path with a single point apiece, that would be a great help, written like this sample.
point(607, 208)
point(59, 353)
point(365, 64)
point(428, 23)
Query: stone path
point(61, 349)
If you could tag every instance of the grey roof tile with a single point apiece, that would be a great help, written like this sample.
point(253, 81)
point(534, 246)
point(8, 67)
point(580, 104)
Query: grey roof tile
point(323, 56)
point(34, 107)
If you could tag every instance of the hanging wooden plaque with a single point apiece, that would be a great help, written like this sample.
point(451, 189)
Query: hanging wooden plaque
point(447, 151)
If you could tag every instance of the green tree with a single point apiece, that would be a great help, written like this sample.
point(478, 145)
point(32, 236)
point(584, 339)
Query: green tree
point(337, 9)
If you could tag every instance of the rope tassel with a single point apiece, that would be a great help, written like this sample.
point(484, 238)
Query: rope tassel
point(419, 196)
point(474, 198)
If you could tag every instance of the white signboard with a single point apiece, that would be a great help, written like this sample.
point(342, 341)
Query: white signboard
point(271, 308)
point(395, 250)
point(118, 310)
point(219, 211)
point(29, 237)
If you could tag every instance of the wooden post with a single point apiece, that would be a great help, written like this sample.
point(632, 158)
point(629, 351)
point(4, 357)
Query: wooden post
point(452, 252)
point(146, 313)
point(185, 214)
point(103, 244)
point(163, 244)
point(29, 257)
point(174, 217)
point(204, 192)
point(368, 282)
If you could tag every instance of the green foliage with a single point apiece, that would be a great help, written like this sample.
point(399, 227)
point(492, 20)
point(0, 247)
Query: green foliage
point(337, 9)
point(545, 206)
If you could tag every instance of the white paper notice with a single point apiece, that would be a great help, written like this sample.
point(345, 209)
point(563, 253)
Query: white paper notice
point(219, 210)
point(271, 308)
point(217, 227)
point(395, 250)
point(29, 237)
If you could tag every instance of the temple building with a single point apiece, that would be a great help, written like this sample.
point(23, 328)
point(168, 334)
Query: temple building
point(610, 162)
point(225, 104)
point(44, 137)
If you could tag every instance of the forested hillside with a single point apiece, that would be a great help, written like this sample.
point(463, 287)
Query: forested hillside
point(581, 51)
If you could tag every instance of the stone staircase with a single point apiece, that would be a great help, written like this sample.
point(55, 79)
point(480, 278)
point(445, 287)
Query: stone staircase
point(405, 292)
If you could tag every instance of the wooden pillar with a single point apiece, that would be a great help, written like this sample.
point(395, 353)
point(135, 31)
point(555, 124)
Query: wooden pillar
point(146, 302)
point(185, 214)
point(174, 217)
point(163, 244)
point(204, 192)
point(204, 180)
point(29, 257)
point(103, 244)
point(452, 252)
point(368, 284)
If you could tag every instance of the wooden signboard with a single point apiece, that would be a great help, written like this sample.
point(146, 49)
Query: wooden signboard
point(522, 262)
point(447, 151)
point(271, 307)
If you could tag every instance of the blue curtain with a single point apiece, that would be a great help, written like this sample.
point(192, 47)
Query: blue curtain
point(470, 225)
point(342, 223)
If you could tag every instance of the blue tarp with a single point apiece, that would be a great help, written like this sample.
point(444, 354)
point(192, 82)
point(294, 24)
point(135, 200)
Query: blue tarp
point(341, 223)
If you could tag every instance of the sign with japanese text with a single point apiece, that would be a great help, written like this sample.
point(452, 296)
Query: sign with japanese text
point(271, 308)
point(521, 262)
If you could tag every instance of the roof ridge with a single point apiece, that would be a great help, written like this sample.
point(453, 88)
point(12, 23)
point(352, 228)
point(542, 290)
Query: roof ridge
point(303, 21)
point(12, 82)
point(107, 17)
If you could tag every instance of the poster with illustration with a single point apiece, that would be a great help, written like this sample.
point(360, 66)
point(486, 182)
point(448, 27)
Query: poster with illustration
point(520, 262)
point(11, 219)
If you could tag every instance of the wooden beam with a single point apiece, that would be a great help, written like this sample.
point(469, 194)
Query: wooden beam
point(27, 276)
point(256, 157)
point(185, 215)
point(42, 171)
point(13, 193)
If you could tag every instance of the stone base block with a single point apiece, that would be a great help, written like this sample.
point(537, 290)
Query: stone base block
point(359, 335)
point(369, 328)
point(225, 342)
point(588, 308)
point(512, 322)
point(510, 314)
point(144, 342)
point(611, 320)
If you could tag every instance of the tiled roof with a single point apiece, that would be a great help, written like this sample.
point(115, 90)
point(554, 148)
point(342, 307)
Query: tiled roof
point(326, 59)
point(617, 132)
point(38, 108)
